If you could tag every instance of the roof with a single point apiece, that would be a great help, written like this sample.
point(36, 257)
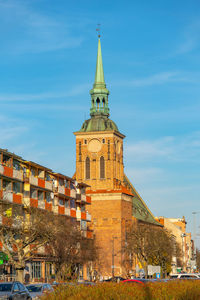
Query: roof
point(140, 209)
point(98, 123)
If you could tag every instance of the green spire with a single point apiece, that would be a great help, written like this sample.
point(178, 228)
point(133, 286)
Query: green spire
point(99, 93)
point(99, 76)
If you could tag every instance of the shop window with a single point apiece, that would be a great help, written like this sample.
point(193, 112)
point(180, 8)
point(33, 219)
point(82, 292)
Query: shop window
point(36, 268)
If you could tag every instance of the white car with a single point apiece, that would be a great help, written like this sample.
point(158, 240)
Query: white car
point(185, 276)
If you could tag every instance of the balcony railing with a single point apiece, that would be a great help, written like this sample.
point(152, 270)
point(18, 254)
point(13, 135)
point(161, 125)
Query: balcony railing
point(61, 189)
point(41, 204)
point(88, 217)
point(18, 174)
point(48, 185)
point(78, 214)
point(33, 180)
point(72, 193)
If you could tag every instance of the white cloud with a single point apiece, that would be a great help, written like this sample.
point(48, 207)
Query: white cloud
point(174, 149)
point(35, 32)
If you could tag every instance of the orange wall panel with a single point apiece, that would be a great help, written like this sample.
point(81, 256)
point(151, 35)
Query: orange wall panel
point(61, 210)
point(67, 192)
point(88, 199)
point(48, 206)
point(83, 215)
point(34, 202)
point(17, 198)
point(73, 213)
point(41, 182)
point(8, 171)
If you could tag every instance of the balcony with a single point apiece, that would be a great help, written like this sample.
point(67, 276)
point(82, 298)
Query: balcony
point(61, 189)
point(8, 196)
point(33, 180)
point(67, 211)
point(18, 174)
point(72, 193)
point(88, 217)
point(41, 204)
point(1, 169)
point(48, 185)
point(78, 214)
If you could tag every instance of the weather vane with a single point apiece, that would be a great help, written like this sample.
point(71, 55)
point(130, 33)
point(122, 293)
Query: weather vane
point(98, 30)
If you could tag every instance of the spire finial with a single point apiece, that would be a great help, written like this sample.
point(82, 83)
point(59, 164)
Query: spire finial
point(99, 30)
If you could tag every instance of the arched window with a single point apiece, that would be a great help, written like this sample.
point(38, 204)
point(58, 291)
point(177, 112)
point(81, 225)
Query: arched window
point(102, 167)
point(103, 102)
point(98, 104)
point(87, 168)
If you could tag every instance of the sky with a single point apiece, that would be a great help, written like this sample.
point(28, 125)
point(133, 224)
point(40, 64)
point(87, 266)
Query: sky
point(151, 58)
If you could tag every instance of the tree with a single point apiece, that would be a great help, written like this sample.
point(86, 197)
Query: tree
point(69, 247)
point(26, 232)
point(198, 259)
point(151, 245)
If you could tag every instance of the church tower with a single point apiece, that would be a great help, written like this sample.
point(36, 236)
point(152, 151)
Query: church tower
point(99, 151)
point(99, 164)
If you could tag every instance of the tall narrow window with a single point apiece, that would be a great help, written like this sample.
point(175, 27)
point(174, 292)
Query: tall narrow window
point(108, 150)
point(79, 147)
point(87, 168)
point(102, 167)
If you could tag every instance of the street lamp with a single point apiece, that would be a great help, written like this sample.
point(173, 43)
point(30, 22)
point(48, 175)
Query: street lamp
point(194, 230)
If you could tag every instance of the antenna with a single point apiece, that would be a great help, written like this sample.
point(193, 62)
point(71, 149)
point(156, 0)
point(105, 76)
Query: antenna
point(98, 30)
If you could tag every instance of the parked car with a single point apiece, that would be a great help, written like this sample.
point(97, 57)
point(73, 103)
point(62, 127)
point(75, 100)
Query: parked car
point(137, 281)
point(38, 289)
point(14, 290)
point(114, 279)
point(185, 276)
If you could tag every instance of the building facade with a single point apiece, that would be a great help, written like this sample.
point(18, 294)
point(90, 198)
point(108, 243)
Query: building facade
point(177, 226)
point(27, 183)
point(99, 164)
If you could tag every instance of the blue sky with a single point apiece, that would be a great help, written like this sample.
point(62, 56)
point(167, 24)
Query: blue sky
point(151, 57)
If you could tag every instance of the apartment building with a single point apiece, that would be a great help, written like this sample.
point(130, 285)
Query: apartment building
point(28, 183)
point(177, 226)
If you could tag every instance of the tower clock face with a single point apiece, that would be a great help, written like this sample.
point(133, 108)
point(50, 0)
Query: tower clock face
point(94, 145)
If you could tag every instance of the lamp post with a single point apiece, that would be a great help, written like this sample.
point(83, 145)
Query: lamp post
point(194, 231)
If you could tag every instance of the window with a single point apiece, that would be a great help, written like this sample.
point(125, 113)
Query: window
point(16, 187)
point(72, 203)
point(16, 165)
point(36, 269)
point(48, 197)
point(83, 208)
point(102, 167)
point(85, 142)
point(47, 177)
point(33, 193)
point(40, 195)
point(108, 150)
point(7, 185)
point(61, 202)
point(87, 168)
point(103, 141)
point(79, 147)
point(33, 172)
point(66, 204)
